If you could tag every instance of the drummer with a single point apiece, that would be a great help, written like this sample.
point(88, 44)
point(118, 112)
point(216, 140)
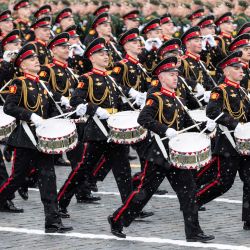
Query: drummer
point(231, 99)
point(103, 99)
point(28, 102)
point(163, 115)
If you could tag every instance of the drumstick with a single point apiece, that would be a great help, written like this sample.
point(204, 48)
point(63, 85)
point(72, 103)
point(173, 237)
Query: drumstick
point(62, 115)
point(5, 85)
point(230, 131)
point(219, 116)
point(183, 130)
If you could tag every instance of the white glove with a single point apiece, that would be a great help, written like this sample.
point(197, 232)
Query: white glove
point(133, 93)
point(239, 128)
point(200, 90)
point(211, 40)
point(102, 113)
point(211, 124)
point(153, 42)
point(77, 49)
point(65, 102)
point(37, 120)
point(157, 42)
point(171, 133)
point(9, 55)
point(81, 109)
point(141, 99)
point(204, 44)
point(148, 44)
point(207, 96)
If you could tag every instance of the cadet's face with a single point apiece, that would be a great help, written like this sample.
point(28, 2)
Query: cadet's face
point(62, 52)
point(100, 59)
point(245, 54)
point(13, 46)
point(24, 12)
point(168, 28)
point(234, 74)
point(66, 22)
point(130, 24)
point(227, 27)
point(104, 29)
point(168, 80)
point(194, 45)
point(74, 40)
point(154, 34)
point(209, 30)
point(43, 34)
point(134, 47)
point(31, 65)
point(6, 26)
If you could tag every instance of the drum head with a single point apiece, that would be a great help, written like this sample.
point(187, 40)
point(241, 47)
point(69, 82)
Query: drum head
point(243, 134)
point(5, 119)
point(55, 128)
point(189, 142)
point(124, 120)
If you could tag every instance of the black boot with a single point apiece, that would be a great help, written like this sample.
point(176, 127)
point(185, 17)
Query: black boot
point(89, 198)
point(9, 207)
point(23, 192)
point(57, 228)
point(200, 237)
point(144, 214)
point(64, 213)
point(115, 228)
point(246, 225)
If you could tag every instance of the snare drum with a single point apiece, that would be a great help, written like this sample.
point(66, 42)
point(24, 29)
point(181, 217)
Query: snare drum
point(242, 139)
point(124, 128)
point(7, 124)
point(190, 150)
point(56, 136)
point(199, 115)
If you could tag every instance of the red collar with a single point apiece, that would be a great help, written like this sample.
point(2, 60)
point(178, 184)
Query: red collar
point(131, 59)
point(245, 65)
point(40, 41)
point(99, 72)
point(167, 92)
point(193, 56)
point(31, 77)
point(231, 83)
point(226, 35)
point(58, 63)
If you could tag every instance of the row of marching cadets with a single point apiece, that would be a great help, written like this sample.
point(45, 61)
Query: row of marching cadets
point(93, 100)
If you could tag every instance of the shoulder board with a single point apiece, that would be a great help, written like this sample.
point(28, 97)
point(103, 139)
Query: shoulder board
point(123, 61)
point(222, 86)
point(155, 83)
point(157, 93)
point(92, 32)
point(109, 72)
point(88, 74)
point(21, 78)
point(49, 65)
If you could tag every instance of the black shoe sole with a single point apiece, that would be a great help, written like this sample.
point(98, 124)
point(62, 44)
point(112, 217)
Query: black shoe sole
point(20, 211)
point(145, 216)
point(58, 230)
point(199, 240)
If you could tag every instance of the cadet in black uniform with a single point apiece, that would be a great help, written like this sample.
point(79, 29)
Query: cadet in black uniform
point(226, 28)
point(29, 103)
point(44, 10)
point(6, 23)
point(231, 99)
point(242, 43)
point(163, 115)
point(97, 94)
point(41, 29)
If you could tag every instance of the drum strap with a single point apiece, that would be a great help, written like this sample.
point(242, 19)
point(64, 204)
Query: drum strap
point(29, 133)
point(161, 146)
point(228, 135)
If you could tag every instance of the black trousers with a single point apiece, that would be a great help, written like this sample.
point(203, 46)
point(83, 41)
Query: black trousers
point(182, 182)
point(221, 178)
point(44, 164)
point(115, 156)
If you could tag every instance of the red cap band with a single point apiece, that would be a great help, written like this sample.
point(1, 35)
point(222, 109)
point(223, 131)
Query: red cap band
point(131, 16)
point(164, 67)
point(169, 48)
point(196, 15)
point(129, 37)
point(100, 21)
point(44, 11)
point(151, 27)
point(58, 42)
point(165, 20)
point(240, 43)
point(191, 35)
point(64, 15)
point(231, 61)
point(95, 48)
point(206, 23)
point(224, 19)
point(40, 24)
point(2, 18)
point(10, 39)
point(24, 55)
point(21, 5)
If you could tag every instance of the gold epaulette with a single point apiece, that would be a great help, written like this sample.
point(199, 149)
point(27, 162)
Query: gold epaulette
point(157, 93)
point(21, 78)
point(222, 86)
point(123, 61)
point(155, 83)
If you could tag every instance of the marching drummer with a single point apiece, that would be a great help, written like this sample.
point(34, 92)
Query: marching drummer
point(231, 99)
point(163, 115)
point(29, 103)
point(103, 98)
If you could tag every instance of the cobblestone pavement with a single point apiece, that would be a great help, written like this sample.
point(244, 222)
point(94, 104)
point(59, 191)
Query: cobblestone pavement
point(164, 230)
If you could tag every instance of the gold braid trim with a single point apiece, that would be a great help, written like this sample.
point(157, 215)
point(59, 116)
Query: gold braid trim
point(55, 87)
point(223, 45)
point(92, 98)
point(161, 117)
point(125, 78)
point(187, 69)
point(25, 99)
point(148, 68)
point(226, 104)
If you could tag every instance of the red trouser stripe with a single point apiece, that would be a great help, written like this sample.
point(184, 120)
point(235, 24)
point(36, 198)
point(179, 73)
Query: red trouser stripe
point(72, 174)
point(215, 182)
point(132, 194)
point(99, 166)
point(206, 167)
point(5, 184)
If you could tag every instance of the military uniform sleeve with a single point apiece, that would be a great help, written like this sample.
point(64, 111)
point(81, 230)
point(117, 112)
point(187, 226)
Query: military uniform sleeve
point(148, 116)
point(215, 108)
point(11, 106)
point(80, 95)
